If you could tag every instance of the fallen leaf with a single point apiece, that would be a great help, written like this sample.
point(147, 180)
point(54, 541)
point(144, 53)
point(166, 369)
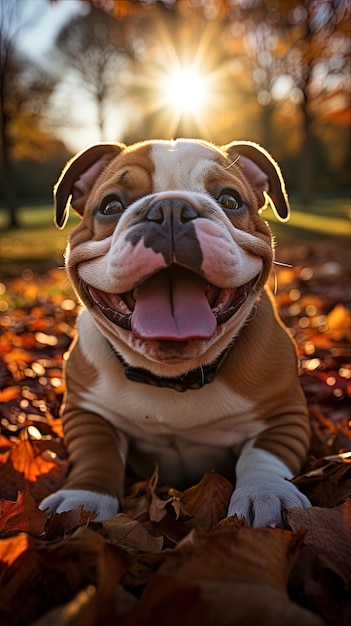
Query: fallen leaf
point(44, 574)
point(61, 524)
point(10, 393)
point(25, 466)
point(216, 579)
point(262, 555)
point(172, 585)
point(11, 549)
point(321, 576)
point(328, 532)
point(5, 444)
point(129, 534)
point(208, 501)
point(22, 515)
point(81, 611)
point(327, 483)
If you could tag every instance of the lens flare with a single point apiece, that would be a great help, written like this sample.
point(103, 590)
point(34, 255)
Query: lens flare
point(185, 91)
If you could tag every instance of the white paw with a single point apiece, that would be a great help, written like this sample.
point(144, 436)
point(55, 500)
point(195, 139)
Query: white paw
point(100, 505)
point(261, 502)
point(262, 490)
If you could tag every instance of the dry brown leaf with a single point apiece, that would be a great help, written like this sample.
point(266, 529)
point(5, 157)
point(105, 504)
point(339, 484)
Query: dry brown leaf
point(142, 567)
point(321, 576)
point(143, 502)
point(81, 611)
point(22, 515)
point(61, 524)
point(46, 574)
point(208, 501)
point(327, 483)
point(171, 601)
point(141, 496)
point(129, 534)
point(262, 555)
point(328, 532)
point(225, 578)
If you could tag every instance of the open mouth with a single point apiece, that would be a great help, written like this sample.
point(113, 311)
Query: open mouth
point(174, 304)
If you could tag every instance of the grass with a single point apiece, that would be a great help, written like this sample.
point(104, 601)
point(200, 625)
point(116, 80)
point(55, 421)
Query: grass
point(38, 245)
point(328, 217)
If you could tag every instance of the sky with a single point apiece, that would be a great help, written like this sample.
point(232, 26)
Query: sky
point(79, 128)
point(44, 20)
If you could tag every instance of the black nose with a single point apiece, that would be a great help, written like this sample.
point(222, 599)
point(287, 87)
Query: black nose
point(172, 210)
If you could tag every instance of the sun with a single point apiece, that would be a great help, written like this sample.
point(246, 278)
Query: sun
point(185, 91)
point(185, 86)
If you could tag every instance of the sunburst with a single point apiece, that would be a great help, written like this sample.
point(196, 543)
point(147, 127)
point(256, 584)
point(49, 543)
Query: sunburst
point(184, 86)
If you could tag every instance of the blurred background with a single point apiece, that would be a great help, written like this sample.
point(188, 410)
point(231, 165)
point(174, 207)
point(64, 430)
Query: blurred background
point(73, 72)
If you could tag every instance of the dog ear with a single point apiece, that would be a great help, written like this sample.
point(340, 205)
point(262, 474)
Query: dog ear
point(78, 178)
point(264, 174)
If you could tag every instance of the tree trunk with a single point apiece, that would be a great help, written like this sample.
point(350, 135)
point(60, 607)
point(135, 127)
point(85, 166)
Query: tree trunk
point(7, 176)
point(306, 173)
point(267, 134)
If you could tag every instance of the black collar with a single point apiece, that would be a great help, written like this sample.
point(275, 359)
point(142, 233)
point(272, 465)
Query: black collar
point(195, 379)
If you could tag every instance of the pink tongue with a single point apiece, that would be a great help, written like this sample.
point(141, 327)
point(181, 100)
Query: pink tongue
point(173, 306)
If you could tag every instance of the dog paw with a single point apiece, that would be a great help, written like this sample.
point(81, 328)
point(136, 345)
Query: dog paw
point(100, 505)
point(262, 503)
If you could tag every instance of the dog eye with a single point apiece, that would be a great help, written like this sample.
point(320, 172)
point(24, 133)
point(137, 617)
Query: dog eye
point(111, 205)
point(230, 200)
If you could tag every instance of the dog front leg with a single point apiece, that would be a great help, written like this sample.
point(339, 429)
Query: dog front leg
point(97, 454)
point(263, 489)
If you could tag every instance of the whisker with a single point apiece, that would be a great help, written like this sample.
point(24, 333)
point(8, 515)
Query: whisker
point(275, 288)
point(283, 264)
point(232, 163)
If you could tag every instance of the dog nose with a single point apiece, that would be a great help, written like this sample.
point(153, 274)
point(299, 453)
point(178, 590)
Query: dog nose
point(172, 210)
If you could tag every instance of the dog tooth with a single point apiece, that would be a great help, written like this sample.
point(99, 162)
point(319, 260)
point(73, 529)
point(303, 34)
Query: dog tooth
point(135, 293)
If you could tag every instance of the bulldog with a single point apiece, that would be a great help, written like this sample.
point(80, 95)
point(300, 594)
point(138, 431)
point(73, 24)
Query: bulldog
point(180, 357)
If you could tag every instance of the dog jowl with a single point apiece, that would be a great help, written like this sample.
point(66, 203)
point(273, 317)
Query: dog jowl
point(180, 357)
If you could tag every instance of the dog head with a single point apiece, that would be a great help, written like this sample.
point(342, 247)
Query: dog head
point(171, 253)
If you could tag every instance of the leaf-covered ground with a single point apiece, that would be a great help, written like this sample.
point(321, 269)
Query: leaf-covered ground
point(170, 557)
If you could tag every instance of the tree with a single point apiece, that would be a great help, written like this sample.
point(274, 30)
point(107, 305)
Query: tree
point(317, 59)
point(299, 54)
point(282, 68)
point(24, 93)
point(96, 50)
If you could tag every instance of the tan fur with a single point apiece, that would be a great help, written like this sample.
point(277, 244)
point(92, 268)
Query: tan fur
point(256, 394)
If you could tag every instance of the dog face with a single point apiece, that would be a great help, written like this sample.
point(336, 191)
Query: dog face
point(171, 253)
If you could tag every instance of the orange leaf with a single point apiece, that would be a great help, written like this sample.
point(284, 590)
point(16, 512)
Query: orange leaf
point(26, 467)
point(12, 548)
point(10, 393)
point(28, 460)
point(5, 444)
point(22, 515)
